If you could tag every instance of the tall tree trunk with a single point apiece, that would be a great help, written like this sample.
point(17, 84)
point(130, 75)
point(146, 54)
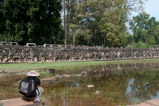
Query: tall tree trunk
point(74, 37)
point(65, 41)
point(68, 18)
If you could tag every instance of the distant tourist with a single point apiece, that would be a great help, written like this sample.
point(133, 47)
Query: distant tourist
point(29, 87)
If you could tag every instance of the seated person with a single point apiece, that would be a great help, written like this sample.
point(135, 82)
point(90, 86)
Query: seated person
point(29, 87)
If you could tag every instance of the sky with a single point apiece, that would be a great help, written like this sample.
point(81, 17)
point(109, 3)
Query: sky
point(152, 7)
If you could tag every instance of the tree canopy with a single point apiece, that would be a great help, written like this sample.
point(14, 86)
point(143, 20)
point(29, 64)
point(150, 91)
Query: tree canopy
point(37, 21)
point(99, 22)
point(86, 22)
point(145, 29)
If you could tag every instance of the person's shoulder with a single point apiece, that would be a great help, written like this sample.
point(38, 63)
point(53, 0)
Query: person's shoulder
point(37, 78)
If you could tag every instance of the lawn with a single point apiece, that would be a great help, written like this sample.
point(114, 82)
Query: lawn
point(63, 65)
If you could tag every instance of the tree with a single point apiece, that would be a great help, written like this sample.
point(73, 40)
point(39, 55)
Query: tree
point(99, 22)
point(1, 24)
point(75, 15)
point(35, 21)
point(145, 29)
point(112, 24)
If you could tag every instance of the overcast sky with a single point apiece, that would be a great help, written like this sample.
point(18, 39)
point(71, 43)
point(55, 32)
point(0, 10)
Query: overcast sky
point(152, 7)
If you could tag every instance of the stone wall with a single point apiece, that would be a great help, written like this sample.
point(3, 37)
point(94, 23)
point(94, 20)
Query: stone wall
point(17, 53)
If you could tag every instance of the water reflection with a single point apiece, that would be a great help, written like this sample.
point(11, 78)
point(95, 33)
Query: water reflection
point(135, 82)
point(115, 83)
point(143, 86)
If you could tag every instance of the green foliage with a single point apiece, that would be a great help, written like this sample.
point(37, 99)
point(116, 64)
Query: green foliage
point(30, 21)
point(145, 29)
point(141, 45)
point(96, 22)
point(112, 24)
point(88, 22)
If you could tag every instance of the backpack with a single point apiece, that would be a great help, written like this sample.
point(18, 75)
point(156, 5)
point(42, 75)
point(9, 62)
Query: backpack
point(27, 87)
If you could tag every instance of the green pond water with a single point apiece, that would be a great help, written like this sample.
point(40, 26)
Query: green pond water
point(114, 84)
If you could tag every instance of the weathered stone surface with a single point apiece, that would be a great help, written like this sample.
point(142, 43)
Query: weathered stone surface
point(48, 80)
point(8, 43)
point(78, 75)
point(17, 53)
point(2, 71)
point(17, 102)
point(97, 93)
point(153, 102)
point(47, 45)
point(67, 76)
point(84, 73)
point(58, 76)
point(51, 71)
point(90, 86)
point(30, 45)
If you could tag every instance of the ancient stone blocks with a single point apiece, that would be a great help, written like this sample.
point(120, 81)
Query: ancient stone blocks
point(47, 53)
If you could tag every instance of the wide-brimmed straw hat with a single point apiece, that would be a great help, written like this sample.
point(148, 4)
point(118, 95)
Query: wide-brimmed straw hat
point(33, 73)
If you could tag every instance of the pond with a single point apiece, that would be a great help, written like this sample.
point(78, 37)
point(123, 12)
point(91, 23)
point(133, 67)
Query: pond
point(112, 84)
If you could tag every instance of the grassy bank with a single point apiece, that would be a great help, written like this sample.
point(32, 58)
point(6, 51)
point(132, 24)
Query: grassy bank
point(64, 65)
